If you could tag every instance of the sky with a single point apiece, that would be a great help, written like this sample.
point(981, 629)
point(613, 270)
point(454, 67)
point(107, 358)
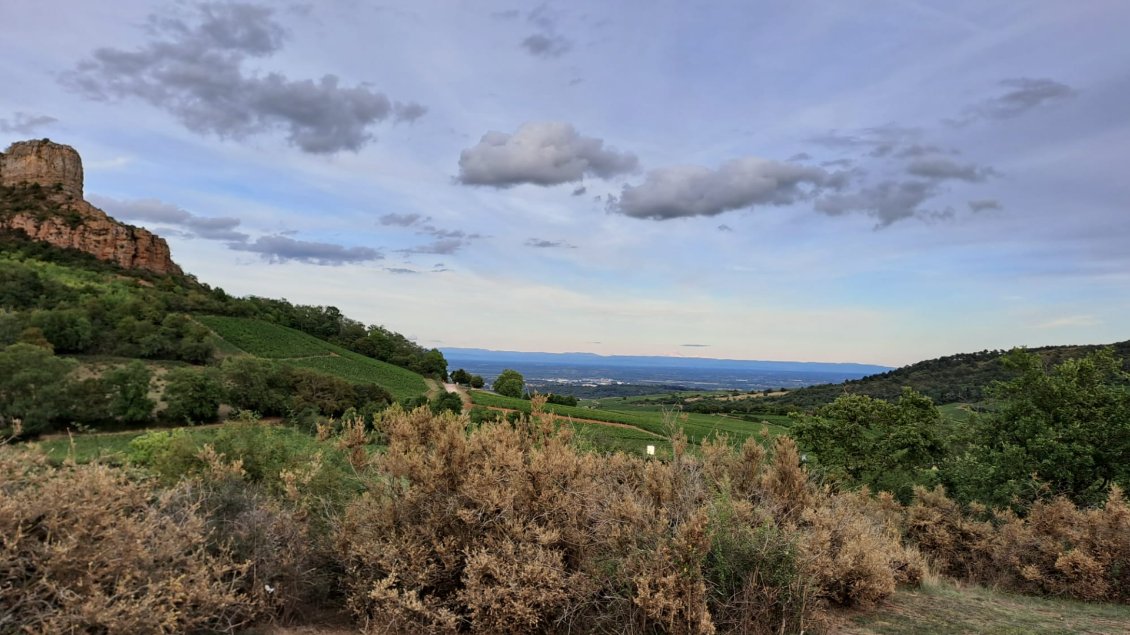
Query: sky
point(879, 181)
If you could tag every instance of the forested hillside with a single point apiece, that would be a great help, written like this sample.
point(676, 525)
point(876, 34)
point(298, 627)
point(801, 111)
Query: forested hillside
point(951, 379)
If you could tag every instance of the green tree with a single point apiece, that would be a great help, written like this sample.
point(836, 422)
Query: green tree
point(33, 386)
point(129, 387)
point(1060, 432)
point(448, 401)
point(255, 384)
point(888, 446)
point(461, 377)
point(477, 381)
point(193, 395)
point(510, 383)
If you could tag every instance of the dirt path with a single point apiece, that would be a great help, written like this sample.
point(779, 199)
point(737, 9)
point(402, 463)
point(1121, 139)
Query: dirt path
point(464, 396)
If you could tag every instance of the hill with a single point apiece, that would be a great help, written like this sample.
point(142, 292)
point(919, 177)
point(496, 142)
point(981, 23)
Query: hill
point(951, 379)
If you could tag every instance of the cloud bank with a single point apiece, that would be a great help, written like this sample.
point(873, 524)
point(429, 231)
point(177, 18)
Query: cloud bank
point(194, 69)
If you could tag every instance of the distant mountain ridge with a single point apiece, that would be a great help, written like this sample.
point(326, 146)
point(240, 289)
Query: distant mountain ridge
point(457, 355)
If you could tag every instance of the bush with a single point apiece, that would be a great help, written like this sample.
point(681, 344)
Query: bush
point(87, 549)
point(193, 395)
point(509, 528)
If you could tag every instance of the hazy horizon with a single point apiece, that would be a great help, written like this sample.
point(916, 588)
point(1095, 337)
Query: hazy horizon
point(764, 181)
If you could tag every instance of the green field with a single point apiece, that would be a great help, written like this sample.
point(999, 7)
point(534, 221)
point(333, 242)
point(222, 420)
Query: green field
point(697, 427)
point(295, 348)
point(109, 447)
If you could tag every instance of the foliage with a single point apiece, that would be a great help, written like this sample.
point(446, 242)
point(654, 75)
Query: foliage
point(33, 387)
point(1057, 549)
point(509, 383)
point(508, 528)
point(887, 446)
point(447, 402)
point(87, 549)
point(477, 381)
point(461, 377)
point(193, 395)
point(129, 386)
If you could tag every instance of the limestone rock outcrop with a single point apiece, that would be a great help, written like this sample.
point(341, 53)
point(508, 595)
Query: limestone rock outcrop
point(56, 213)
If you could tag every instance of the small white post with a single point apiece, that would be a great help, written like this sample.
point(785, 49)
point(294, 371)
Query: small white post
point(651, 450)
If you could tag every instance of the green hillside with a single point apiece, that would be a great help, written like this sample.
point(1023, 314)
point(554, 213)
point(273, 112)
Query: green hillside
point(951, 379)
point(295, 348)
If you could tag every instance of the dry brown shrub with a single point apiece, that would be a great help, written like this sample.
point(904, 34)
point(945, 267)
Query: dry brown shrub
point(89, 549)
point(509, 528)
point(1056, 549)
point(958, 545)
point(1060, 549)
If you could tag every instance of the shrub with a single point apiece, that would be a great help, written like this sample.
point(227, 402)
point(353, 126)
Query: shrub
point(193, 395)
point(87, 549)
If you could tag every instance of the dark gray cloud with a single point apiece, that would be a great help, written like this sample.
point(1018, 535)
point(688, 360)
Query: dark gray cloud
point(548, 244)
point(400, 220)
point(543, 45)
point(194, 69)
point(1021, 95)
point(725, 228)
point(801, 156)
point(940, 168)
point(837, 163)
point(889, 201)
point(149, 211)
point(540, 153)
point(400, 270)
point(276, 249)
point(984, 204)
point(682, 191)
point(580, 190)
point(917, 150)
point(25, 124)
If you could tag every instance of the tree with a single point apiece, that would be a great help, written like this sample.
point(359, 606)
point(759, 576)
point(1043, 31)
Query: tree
point(477, 381)
point(193, 395)
point(1069, 428)
point(510, 383)
point(255, 384)
point(129, 387)
point(448, 401)
point(461, 377)
point(888, 446)
point(33, 386)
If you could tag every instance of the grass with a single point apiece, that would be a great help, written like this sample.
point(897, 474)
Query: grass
point(109, 446)
point(946, 608)
point(295, 348)
point(697, 427)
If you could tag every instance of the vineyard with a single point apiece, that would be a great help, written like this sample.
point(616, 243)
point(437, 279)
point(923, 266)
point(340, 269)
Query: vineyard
point(295, 348)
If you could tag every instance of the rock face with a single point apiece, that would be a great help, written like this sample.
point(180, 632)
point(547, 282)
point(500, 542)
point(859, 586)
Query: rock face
point(63, 219)
point(42, 162)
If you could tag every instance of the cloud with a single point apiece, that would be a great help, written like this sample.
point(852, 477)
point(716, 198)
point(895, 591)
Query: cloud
point(277, 248)
point(580, 190)
point(941, 169)
point(801, 156)
point(984, 204)
point(400, 270)
point(25, 124)
point(695, 345)
point(889, 201)
point(725, 228)
point(691, 190)
point(509, 14)
point(546, 46)
point(540, 153)
point(400, 220)
point(194, 69)
point(149, 210)
point(1023, 94)
point(441, 247)
point(876, 141)
point(548, 244)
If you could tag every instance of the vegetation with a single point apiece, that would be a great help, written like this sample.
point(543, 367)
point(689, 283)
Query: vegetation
point(509, 383)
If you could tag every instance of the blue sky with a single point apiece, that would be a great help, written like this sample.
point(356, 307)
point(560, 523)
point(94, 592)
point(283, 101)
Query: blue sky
point(880, 181)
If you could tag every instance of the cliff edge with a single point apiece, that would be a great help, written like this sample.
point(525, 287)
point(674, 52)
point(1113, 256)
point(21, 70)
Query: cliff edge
point(41, 195)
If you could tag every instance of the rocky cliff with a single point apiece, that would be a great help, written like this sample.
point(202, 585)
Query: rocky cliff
point(41, 195)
